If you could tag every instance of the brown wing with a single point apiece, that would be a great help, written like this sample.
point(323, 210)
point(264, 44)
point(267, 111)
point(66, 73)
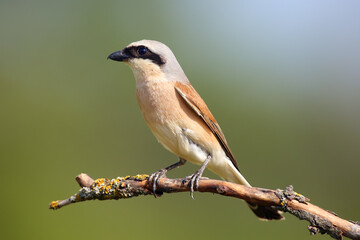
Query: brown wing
point(195, 102)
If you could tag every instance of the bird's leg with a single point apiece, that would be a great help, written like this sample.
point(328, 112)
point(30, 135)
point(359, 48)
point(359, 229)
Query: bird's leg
point(155, 177)
point(194, 179)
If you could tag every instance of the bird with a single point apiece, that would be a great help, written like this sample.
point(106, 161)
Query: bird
point(180, 119)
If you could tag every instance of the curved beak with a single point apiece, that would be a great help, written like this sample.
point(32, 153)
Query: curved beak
point(118, 56)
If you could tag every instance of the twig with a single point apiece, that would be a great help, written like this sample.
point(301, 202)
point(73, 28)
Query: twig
point(321, 221)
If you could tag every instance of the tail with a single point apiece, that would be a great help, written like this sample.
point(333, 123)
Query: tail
point(231, 174)
point(266, 213)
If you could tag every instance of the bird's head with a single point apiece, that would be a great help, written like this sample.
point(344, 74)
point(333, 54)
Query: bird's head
point(150, 58)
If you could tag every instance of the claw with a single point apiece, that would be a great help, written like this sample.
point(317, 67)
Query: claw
point(192, 186)
point(194, 182)
point(155, 178)
point(194, 179)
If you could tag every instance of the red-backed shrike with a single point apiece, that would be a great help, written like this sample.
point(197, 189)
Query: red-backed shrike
point(179, 117)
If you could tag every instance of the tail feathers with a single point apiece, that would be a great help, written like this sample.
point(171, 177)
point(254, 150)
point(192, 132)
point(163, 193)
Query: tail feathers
point(230, 173)
point(266, 213)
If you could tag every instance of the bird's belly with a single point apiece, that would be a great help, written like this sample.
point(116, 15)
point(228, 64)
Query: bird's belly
point(175, 139)
point(181, 132)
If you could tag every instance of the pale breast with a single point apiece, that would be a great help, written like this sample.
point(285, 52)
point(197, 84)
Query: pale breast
point(156, 102)
point(173, 123)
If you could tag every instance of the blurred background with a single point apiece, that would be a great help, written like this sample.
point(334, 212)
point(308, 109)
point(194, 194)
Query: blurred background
point(281, 77)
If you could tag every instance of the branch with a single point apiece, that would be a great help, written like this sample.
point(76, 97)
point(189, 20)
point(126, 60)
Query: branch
point(321, 221)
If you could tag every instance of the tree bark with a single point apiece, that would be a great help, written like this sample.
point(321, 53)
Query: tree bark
point(321, 221)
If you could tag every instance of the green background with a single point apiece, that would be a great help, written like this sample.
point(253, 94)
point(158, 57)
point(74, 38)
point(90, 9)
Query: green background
point(281, 77)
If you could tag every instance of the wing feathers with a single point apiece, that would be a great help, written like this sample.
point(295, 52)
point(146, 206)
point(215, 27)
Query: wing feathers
point(195, 102)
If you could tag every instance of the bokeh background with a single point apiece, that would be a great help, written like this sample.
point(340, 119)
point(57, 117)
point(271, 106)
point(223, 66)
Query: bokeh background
point(281, 77)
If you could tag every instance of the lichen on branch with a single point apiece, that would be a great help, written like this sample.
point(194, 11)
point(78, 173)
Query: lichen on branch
point(321, 221)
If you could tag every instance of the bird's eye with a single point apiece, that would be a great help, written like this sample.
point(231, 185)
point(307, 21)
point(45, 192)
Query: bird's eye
point(142, 50)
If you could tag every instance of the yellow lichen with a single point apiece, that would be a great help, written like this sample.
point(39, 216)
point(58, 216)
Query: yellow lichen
point(141, 177)
point(54, 205)
point(100, 181)
point(283, 202)
point(110, 188)
point(77, 196)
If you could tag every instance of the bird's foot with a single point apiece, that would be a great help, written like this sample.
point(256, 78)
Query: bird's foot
point(155, 178)
point(194, 182)
point(194, 179)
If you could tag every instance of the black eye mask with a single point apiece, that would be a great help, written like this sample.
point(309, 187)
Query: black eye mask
point(144, 53)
